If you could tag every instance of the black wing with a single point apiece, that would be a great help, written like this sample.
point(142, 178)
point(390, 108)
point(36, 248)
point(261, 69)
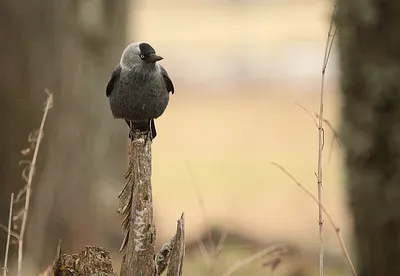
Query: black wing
point(168, 82)
point(113, 80)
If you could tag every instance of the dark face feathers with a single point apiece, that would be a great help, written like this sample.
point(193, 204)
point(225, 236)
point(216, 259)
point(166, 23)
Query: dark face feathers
point(146, 49)
point(147, 53)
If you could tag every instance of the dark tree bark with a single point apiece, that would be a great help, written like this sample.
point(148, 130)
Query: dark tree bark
point(369, 47)
point(69, 47)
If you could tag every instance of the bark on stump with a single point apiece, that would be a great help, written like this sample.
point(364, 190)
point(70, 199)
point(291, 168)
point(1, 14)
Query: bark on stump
point(136, 204)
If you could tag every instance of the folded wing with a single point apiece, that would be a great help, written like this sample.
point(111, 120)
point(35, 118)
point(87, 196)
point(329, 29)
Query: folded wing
point(168, 82)
point(113, 80)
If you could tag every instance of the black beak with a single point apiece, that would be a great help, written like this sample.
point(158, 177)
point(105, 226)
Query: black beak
point(153, 58)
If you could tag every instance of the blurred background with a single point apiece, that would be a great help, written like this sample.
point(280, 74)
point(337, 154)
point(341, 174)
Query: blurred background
point(240, 70)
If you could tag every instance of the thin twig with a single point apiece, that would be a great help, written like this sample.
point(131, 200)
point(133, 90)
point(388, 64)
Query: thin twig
point(328, 48)
point(308, 112)
point(328, 215)
point(8, 235)
point(280, 249)
point(49, 103)
point(335, 135)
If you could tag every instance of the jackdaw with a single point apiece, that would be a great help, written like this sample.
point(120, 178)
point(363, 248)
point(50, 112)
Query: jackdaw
point(138, 90)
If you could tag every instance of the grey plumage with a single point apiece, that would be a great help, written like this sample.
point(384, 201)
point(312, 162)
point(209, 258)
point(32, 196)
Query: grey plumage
point(139, 87)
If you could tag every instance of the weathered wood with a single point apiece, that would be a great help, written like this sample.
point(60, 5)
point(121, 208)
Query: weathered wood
point(136, 206)
point(172, 253)
point(139, 231)
point(178, 251)
point(91, 261)
point(163, 256)
point(138, 225)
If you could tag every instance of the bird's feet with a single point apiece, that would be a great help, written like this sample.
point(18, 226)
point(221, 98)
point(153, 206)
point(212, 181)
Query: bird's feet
point(131, 129)
point(151, 133)
point(147, 127)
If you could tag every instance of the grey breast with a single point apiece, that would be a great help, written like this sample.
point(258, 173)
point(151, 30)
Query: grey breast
point(139, 96)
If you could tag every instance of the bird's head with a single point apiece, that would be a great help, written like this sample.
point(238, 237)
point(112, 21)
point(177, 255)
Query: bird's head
point(139, 54)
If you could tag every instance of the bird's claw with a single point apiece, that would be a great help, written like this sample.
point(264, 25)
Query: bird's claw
point(150, 133)
point(149, 136)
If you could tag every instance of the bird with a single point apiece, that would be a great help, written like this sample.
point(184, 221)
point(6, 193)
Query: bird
point(138, 89)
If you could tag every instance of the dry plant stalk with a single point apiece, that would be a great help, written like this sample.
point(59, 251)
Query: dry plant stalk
point(8, 235)
point(328, 215)
point(275, 251)
point(28, 187)
point(335, 133)
point(328, 48)
point(136, 204)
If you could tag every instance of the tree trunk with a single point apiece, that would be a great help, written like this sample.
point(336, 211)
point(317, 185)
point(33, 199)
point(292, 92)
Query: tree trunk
point(69, 47)
point(369, 47)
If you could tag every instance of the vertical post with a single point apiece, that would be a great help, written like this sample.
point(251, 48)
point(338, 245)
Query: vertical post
point(137, 205)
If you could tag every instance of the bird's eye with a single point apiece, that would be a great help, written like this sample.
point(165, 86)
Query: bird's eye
point(142, 56)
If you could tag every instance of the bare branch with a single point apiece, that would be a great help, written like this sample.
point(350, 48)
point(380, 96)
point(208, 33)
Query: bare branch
point(328, 215)
point(308, 112)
